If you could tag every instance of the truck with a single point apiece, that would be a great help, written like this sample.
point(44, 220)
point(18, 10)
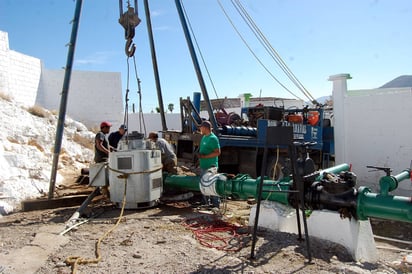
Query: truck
point(243, 136)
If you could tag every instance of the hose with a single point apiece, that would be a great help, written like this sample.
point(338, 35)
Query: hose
point(216, 233)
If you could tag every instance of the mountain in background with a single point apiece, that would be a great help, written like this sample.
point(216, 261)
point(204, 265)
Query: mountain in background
point(322, 100)
point(403, 81)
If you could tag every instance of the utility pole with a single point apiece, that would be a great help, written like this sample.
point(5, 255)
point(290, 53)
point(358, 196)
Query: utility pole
point(63, 100)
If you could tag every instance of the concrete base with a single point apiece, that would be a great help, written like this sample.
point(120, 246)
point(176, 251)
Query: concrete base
point(355, 236)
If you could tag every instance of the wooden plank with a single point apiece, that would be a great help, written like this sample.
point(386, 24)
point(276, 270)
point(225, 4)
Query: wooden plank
point(65, 201)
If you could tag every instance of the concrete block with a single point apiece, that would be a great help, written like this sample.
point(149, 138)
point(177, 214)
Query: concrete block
point(355, 236)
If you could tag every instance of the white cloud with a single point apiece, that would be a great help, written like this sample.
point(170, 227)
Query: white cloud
point(96, 58)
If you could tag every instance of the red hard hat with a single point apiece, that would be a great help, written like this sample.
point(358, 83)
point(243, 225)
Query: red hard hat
point(105, 124)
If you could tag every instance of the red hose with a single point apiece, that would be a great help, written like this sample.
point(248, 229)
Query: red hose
point(215, 233)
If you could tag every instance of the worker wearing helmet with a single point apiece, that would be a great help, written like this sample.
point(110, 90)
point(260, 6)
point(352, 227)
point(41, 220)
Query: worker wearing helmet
point(101, 146)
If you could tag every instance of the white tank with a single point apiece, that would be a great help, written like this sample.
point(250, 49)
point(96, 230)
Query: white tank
point(143, 169)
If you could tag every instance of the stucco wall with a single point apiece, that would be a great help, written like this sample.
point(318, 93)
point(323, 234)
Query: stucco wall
point(19, 73)
point(153, 122)
point(92, 97)
point(378, 131)
point(375, 131)
point(4, 62)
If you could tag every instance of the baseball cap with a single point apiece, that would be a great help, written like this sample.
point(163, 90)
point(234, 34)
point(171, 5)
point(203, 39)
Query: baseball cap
point(123, 127)
point(105, 124)
point(206, 124)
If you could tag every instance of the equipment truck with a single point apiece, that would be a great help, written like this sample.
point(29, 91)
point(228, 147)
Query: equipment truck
point(243, 137)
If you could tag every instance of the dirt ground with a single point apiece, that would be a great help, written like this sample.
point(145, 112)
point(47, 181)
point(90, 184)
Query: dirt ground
point(167, 239)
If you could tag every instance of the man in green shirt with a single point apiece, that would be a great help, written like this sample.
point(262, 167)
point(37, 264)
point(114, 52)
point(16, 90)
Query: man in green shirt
point(209, 152)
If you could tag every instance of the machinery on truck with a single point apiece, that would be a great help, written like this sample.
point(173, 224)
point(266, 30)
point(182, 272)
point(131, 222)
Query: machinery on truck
point(243, 137)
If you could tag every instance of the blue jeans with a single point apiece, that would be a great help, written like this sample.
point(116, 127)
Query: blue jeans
point(214, 201)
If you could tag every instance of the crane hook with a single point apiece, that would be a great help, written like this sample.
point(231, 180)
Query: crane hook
point(130, 48)
point(129, 20)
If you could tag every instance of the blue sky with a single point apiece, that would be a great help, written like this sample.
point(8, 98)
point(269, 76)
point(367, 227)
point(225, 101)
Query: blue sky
point(371, 40)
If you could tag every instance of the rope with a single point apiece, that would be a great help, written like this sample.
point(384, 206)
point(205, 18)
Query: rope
point(137, 172)
point(74, 261)
point(274, 173)
point(216, 233)
point(139, 92)
point(126, 99)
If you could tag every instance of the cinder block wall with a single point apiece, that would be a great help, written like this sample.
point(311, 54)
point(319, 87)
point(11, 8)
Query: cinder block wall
point(4, 62)
point(92, 98)
point(19, 73)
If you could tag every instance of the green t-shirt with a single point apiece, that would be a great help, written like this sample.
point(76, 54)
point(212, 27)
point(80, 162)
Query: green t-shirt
point(208, 144)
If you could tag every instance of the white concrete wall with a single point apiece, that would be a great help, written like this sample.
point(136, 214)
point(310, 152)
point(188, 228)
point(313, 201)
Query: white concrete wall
point(372, 127)
point(92, 97)
point(19, 73)
point(153, 122)
point(4, 62)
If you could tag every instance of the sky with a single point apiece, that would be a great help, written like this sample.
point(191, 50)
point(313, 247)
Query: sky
point(369, 39)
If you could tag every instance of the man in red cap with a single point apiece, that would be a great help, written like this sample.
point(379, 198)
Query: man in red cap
point(101, 146)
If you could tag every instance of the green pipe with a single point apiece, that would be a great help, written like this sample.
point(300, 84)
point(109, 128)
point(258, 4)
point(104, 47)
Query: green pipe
point(368, 204)
point(388, 207)
point(190, 183)
point(390, 183)
point(242, 186)
point(335, 170)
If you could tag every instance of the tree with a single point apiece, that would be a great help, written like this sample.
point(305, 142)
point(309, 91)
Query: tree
point(170, 107)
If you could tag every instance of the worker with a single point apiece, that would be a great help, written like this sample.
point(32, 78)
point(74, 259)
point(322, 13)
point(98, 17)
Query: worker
point(209, 152)
point(115, 137)
point(101, 146)
point(169, 159)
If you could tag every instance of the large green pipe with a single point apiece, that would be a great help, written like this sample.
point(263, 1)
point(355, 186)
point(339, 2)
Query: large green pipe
point(389, 207)
point(243, 186)
point(368, 204)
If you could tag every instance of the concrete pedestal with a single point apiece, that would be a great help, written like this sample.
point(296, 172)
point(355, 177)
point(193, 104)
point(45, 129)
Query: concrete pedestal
point(355, 236)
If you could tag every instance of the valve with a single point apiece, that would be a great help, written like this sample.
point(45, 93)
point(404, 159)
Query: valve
point(387, 183)
point(387, 170)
